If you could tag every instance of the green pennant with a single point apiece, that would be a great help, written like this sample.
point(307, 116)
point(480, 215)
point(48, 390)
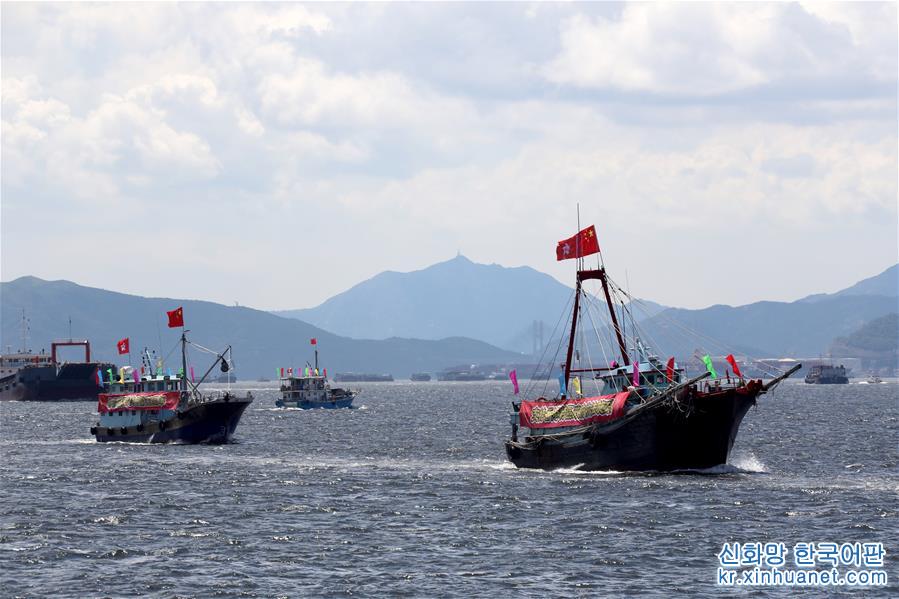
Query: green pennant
point(707, 360)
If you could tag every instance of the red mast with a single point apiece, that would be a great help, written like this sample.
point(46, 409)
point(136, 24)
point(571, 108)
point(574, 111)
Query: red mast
point(584, 275)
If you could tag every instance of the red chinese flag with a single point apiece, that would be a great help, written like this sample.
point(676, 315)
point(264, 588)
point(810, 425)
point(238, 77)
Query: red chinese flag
point(582, 244)
point(733, 364)
point(124, 346)
point(176, 318)
point(313, 341)
point(669, 371)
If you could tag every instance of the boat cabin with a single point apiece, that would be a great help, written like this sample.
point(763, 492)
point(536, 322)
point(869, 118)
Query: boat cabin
point(129, 399)
point(304, 388)
point(12, 363)
point(144, 384)
point(653, 378)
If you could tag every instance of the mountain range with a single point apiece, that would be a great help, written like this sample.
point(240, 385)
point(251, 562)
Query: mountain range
point(261, 341)
point(803, 328)
point(876, 343)
point(499, 305)
point(454, 312)
point(489, 302)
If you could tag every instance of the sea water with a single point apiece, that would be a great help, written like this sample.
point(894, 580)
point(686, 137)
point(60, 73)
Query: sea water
point(410, 494)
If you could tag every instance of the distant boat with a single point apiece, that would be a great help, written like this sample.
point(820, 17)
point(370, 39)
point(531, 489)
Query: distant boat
point(353, 377)
point(824, 374)
point(420, 377)
point(461, 375)
point(308, 388)
point(650, 416)
point(874, 380)
point(27, 376)
point(167, 408)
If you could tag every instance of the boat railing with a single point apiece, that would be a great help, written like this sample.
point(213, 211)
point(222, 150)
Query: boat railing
point(212, 396)
point(721, 384)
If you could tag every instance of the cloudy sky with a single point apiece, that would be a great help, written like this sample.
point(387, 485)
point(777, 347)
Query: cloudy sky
point(276, 154)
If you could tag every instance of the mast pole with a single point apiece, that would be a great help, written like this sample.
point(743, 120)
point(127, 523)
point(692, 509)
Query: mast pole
point(183, 360)
point(621, 345)
point(577, 298)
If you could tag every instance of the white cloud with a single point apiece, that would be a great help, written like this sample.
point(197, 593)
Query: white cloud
point(292, 21)
point(705, 49)
point(443, 127)
point(734, 174)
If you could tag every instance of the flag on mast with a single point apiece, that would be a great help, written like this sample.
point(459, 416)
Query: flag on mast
point(733, 362)
point(124, 346)
point(176, 317)
point(576, 385)
point(578, 246)
point(513, 376)
point(707, 360)
point(669, 370)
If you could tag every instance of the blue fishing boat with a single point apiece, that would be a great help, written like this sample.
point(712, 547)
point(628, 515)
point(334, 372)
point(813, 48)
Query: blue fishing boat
point(308, 388)
point(147, 406)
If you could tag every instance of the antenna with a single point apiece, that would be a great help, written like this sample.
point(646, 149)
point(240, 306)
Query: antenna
point(577, 240)
point(24, 332)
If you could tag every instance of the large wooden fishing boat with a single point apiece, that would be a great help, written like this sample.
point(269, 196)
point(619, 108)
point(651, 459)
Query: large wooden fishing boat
point(647, 415)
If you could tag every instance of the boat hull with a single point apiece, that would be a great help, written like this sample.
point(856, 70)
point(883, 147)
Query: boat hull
point(831, 380)
point(697, 433)
point(69, 382)
point(210, 422)
point(330, 404)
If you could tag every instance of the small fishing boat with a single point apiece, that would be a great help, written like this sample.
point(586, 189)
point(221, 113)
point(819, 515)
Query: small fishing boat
point(308, 388)
point(647, 415)
point(148, 406)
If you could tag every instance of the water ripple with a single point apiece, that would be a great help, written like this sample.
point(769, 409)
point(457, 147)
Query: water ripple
point(411, 495)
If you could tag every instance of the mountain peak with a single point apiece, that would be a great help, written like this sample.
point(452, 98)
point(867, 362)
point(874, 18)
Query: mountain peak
point(457, 259)
point(456, 297)
point(884, 284)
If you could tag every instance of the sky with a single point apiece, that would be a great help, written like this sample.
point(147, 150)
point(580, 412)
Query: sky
point(277, 154)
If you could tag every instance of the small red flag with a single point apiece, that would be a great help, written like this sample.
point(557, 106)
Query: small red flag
point(313, 341)
point(582, 244)
point(733, 362)
point(669, 371)
point(124, 346)
point(176, 318)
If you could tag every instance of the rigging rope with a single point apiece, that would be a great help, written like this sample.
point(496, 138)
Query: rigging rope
point(534, 381)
